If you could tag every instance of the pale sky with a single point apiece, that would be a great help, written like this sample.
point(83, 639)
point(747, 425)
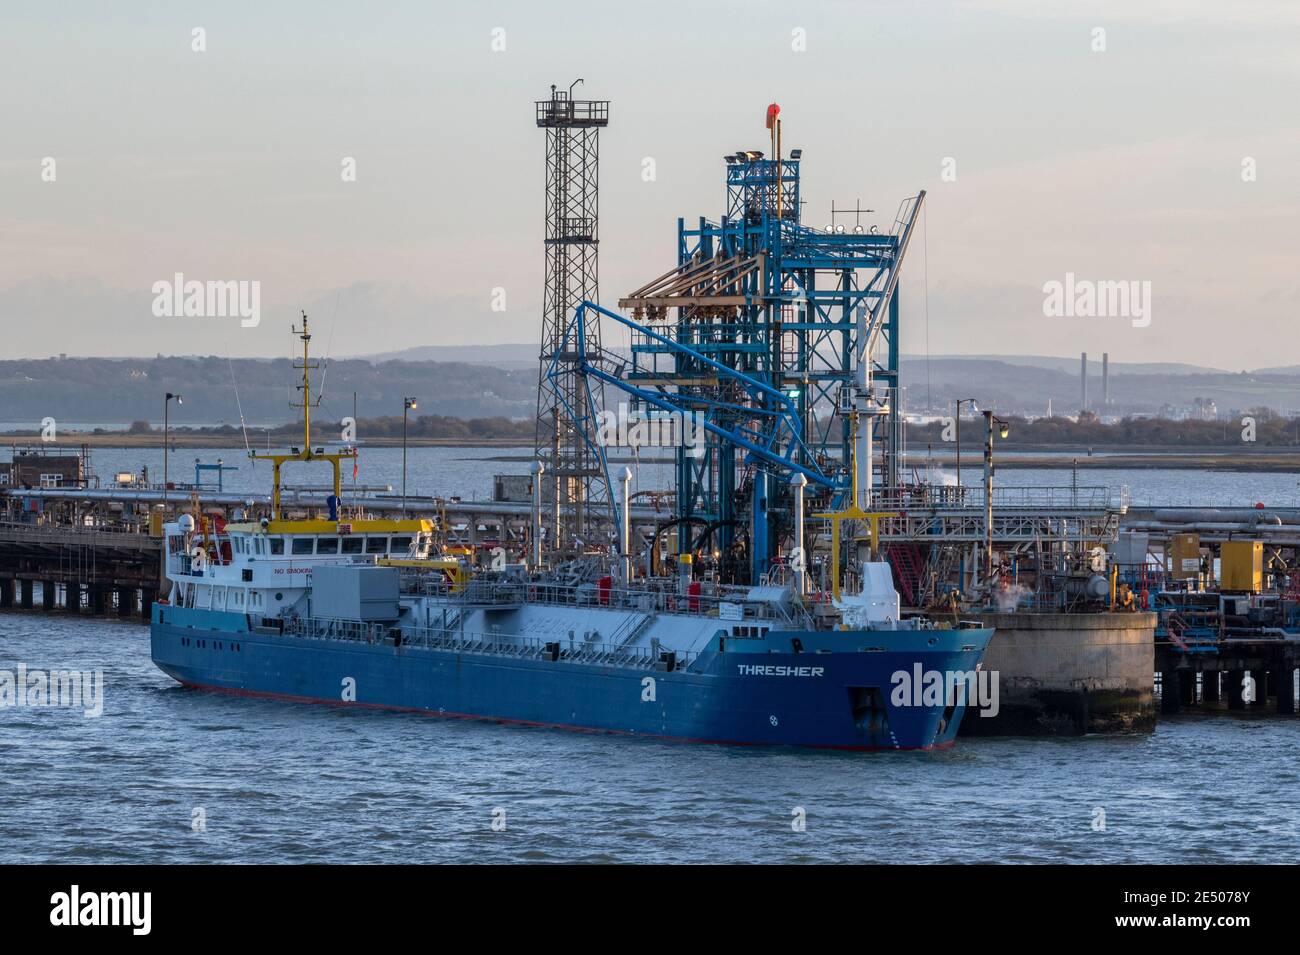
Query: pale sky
point(1125, 164)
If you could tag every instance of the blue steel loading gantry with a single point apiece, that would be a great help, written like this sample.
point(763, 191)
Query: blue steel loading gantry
point(785, 338)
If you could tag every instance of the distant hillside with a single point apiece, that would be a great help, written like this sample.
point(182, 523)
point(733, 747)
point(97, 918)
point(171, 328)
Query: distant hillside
point(501, 356)
point(1071, 365)
point(519, 355)
point(123, 390)
point(116, 390)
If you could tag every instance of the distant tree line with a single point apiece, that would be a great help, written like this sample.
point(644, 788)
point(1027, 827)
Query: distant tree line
point(422, 426)
point(443, 426)
point(1259, 427)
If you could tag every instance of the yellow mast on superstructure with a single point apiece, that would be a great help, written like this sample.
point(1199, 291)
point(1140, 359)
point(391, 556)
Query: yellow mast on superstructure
point(305, 453)
point(852, 512)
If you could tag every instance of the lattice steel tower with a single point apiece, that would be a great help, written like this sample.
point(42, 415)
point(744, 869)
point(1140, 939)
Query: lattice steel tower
point(573, 482)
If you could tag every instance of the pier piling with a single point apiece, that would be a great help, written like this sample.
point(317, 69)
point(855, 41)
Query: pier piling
point(1236, 685)
point(1285, 692)
point(1071, 674)
point(1170, 698)
point(1187, 687)
point(1210, 692)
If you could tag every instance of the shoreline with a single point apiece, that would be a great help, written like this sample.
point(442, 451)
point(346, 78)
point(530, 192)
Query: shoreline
point(1150, 462)
point(1046, 457)
point(74, 440)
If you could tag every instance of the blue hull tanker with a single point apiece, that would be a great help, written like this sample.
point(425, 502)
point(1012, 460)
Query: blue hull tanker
point(369, 612)
point(836, 692)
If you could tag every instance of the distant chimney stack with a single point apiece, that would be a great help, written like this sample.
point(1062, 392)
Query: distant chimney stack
point(1105, 378)
point(1083, 382)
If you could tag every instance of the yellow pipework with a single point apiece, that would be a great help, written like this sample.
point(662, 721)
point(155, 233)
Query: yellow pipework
point(851, 513)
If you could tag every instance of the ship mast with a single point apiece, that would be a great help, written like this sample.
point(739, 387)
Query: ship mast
point(305, 453)
point(305, 387)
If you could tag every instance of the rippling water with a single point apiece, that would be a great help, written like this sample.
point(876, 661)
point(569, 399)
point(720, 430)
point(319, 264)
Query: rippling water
point(467, 473)
point(284, 782)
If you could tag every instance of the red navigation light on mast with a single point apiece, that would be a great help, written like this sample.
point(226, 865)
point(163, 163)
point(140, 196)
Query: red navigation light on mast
point(774, 124)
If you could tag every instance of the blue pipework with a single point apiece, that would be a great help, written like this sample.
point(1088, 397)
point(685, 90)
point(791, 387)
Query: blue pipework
point(766, 369)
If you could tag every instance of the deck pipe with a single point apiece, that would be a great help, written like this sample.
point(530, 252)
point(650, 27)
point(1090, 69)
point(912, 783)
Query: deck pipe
point(799, 482)
point(536, 517)
point(625, 524)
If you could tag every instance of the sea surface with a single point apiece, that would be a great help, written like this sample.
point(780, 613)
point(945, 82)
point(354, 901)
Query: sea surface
point(286, 782)
point(167, 774)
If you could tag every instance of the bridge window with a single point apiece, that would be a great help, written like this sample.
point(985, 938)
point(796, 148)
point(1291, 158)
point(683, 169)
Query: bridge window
point(327, 545)
point(400, 545)
point(303, 545)
point(353, 545)
point(376, 545)
point(277, 546)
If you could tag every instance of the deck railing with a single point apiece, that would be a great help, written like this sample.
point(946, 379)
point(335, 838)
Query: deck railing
point(509, 591)
point(573, 650)
point(1089, 496)
point(77, 534)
